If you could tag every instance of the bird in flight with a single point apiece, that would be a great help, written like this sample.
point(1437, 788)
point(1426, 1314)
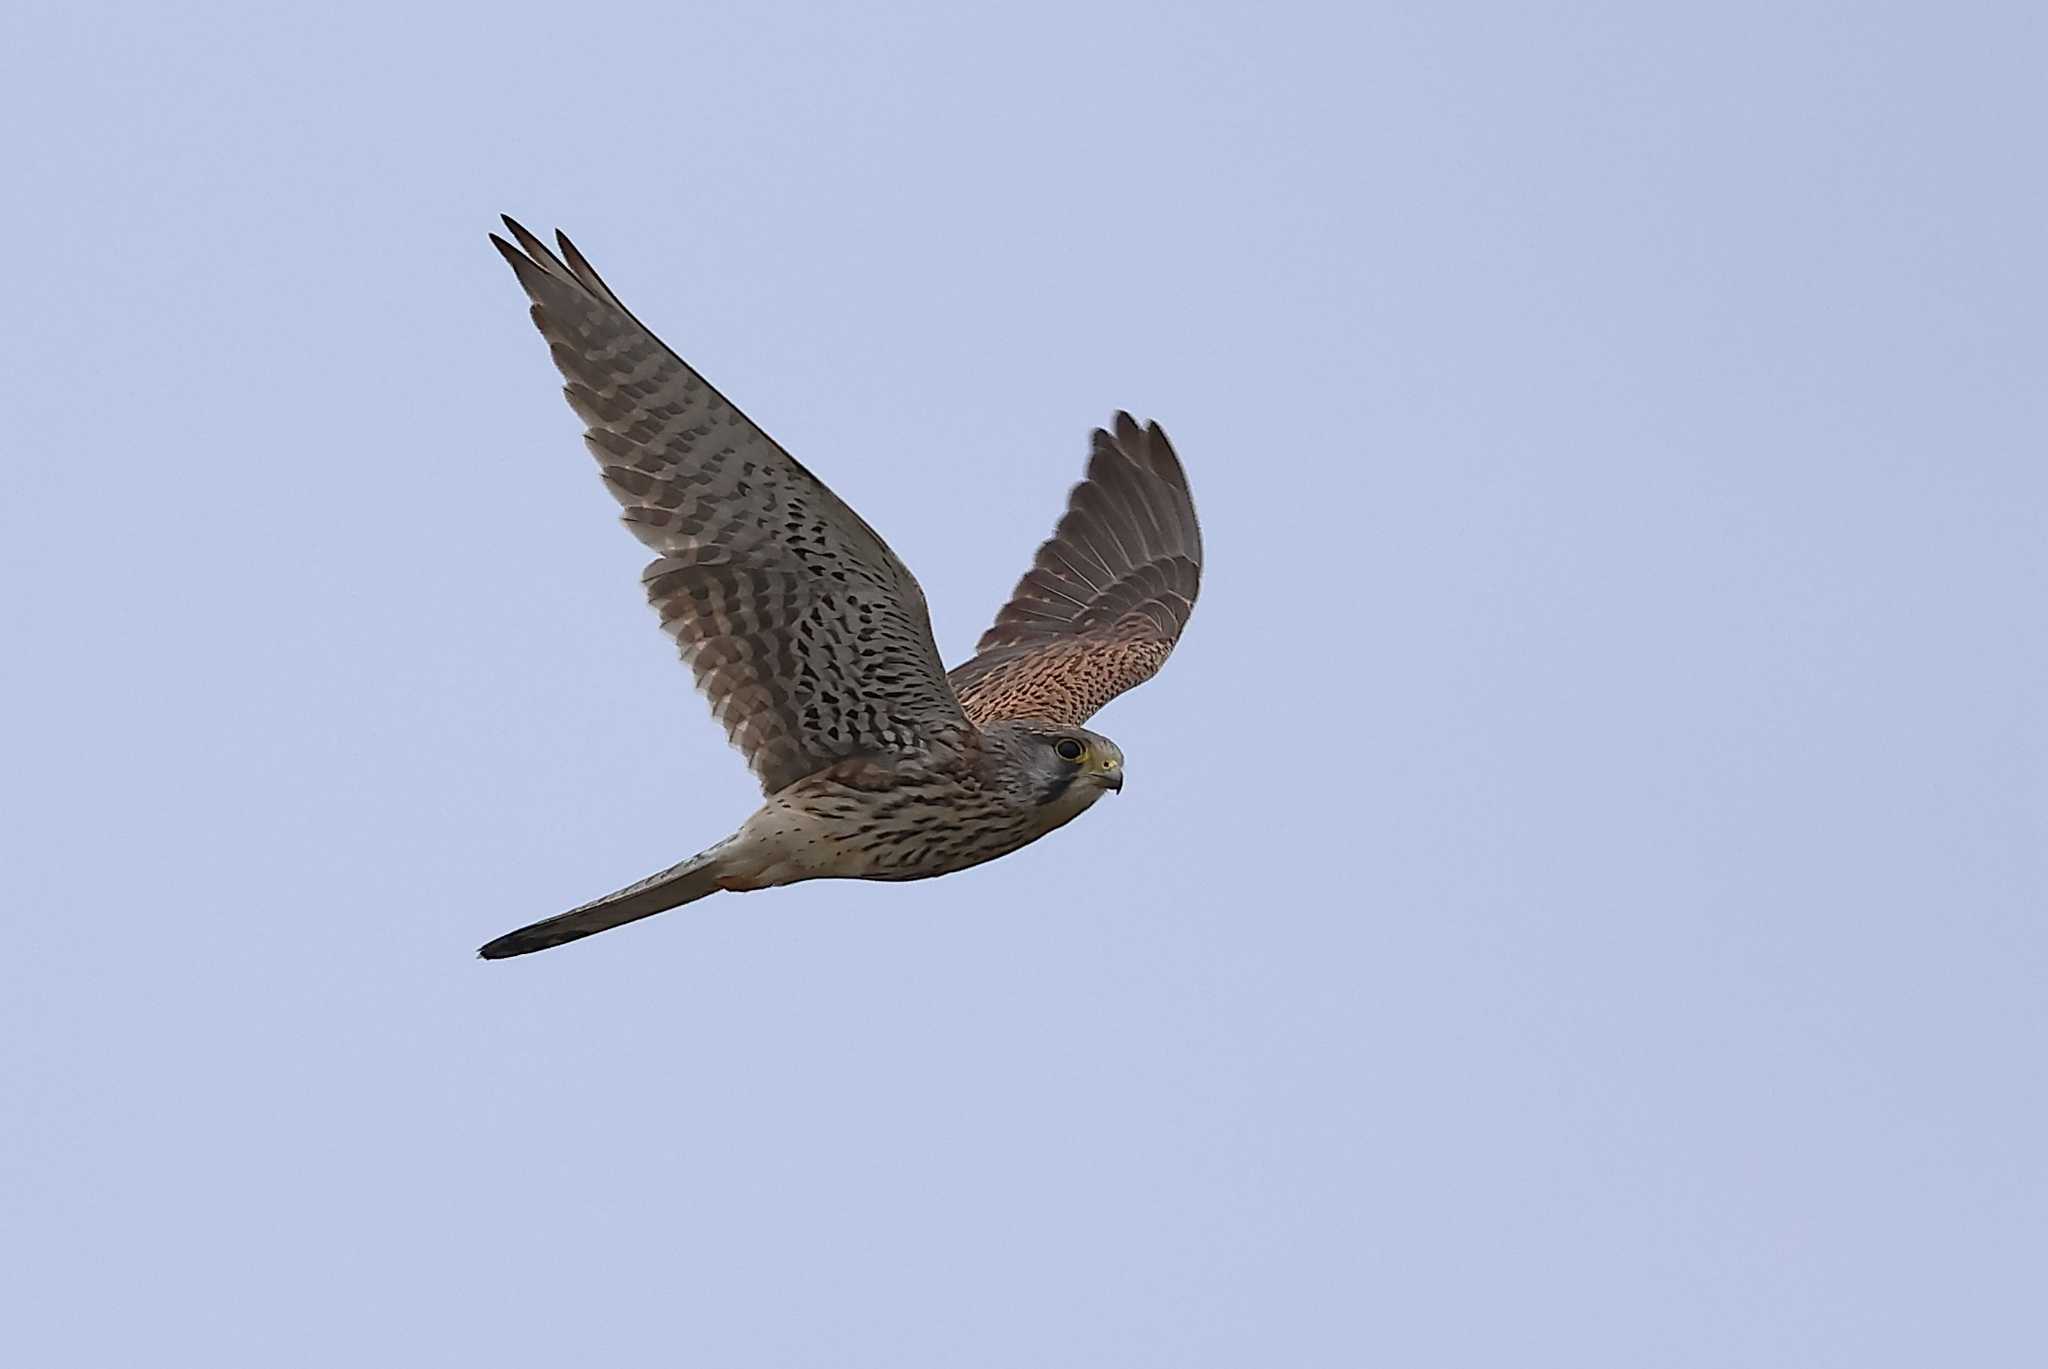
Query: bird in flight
point(811, 639)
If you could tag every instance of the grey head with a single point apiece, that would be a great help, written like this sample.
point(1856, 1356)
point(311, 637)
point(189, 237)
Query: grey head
point(1057, 769)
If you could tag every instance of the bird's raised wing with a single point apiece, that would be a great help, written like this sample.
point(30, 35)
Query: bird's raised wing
point(1105, 598)
point(806, 633)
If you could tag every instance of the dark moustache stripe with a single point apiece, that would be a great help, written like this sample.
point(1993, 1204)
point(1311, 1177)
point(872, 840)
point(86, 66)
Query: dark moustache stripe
point(1061, 783)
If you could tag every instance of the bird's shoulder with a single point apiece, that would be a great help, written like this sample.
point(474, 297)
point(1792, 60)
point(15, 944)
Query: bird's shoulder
point(949, 755)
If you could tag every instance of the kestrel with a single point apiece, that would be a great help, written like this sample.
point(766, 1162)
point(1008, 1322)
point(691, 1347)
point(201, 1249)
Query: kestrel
point(812, 642)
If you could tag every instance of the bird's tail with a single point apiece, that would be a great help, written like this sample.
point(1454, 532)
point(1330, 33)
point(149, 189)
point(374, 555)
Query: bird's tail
point(673, 887)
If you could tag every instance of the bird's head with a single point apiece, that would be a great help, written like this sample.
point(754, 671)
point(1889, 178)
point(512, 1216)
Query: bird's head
point(1057, 769)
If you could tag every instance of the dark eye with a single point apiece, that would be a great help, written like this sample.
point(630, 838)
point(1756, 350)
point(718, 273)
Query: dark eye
point(1067, 749)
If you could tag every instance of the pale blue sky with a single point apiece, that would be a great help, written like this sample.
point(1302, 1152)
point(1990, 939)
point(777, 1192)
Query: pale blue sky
point(1579, 896)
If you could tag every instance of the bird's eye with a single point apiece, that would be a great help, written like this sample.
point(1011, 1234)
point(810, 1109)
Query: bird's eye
point(1067, 749)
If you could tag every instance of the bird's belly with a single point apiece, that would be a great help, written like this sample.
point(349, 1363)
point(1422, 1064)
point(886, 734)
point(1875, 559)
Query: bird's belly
point(851, 834)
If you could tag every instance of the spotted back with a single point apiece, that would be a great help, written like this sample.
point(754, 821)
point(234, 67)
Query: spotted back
point(1107, 595)
point(808, 636)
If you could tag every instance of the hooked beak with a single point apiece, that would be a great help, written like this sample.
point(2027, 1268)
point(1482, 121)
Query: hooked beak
point(1113, 780)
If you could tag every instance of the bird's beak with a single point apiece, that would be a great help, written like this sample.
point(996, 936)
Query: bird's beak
point(1113, 780)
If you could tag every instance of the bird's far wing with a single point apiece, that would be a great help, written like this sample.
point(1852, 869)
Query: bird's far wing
point(1105, 598)
point(806, 633)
